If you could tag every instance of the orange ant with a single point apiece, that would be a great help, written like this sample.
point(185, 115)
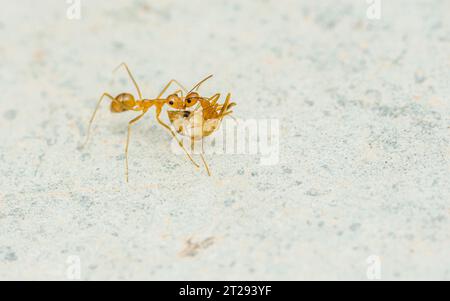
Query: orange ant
point(201, 123)
point(127, 102)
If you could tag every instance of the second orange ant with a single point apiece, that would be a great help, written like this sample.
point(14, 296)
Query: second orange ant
point(127, 102)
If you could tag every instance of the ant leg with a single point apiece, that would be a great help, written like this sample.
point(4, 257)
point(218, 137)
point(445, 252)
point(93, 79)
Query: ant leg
point(132, 78)
point(227, 110)
point(212, 101)
point(214, 98)
point(180, 143)
point(212, 107)
point(204, 161)
point(201, 154)
point(168, 85)
point(232, 117)
point(225, 105)
point(128, 141)
point(93, 116)
point(192, 145)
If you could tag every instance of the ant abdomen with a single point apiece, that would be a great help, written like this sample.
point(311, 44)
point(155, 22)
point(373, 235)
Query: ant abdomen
point(123, 102)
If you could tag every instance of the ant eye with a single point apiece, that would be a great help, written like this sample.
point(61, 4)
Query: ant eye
point(188, 101)
point(170, 102)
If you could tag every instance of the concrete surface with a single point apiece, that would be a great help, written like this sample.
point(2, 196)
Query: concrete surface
point(362, 186)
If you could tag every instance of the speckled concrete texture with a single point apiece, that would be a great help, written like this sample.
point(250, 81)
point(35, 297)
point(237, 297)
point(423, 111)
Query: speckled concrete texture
point(363, 106)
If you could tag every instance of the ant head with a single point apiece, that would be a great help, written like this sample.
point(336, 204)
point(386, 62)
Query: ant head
point(116, 107)
point(175, 101)
point(191, 99)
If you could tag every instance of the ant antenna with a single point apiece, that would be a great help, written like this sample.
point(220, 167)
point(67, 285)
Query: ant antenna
point(200, 83)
